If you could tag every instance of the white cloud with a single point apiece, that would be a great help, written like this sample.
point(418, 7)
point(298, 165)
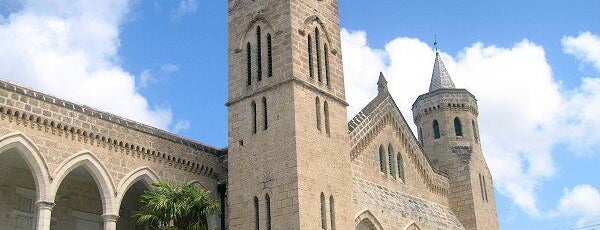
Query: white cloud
point(361, 65)
point(69, 49)
point(586, 47)
point(169, 68)
point(181, 126)
point(148, 77)
point(523, 111)
point(185, 7)
point(582, 202)
point(581, 117)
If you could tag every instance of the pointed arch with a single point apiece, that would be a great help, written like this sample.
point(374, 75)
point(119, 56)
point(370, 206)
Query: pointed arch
point(33, 157)
point(332, 212)
point(254, 118)
point(268, 210)
point(248, 64)
point(250, 27)
point(265, 113)
point(436, 129)
point(400, 164)
point(98, 172)
point(256, 214)
point(269, 55)
point(144, 174)
point(326, 57)
point(412, 226)
point(326, 115)
point(475, 132)
point(458, 127)
point(311, 72)
point(323, 212)
point(197, 183)
point(381, 159)
point(391, 161)
point(318, 54)
point(366, 217)
point(318, 112)
point(259, 71)
point(314, 21)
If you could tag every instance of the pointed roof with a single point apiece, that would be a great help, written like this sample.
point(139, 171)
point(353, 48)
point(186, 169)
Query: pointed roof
point(440, 78)
point(381, 83)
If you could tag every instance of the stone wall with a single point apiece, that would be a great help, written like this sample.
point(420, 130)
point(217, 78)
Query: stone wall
point(292, 160)
point(60, 136)
point(395, 202)
point(395, 209)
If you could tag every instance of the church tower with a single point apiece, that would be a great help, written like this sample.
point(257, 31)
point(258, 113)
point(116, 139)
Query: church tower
point(446, 118)
point(288, 156)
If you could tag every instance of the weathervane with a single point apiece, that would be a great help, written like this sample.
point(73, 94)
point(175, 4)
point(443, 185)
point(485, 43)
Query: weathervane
point(435, 43)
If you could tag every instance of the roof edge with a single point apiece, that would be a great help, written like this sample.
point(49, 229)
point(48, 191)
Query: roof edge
point(109, 117)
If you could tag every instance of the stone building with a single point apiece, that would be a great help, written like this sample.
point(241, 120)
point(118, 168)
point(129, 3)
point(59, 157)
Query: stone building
point(293, 161)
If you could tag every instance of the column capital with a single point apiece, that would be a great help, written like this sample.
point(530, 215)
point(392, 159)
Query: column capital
point(45, 205)
point(110, 217)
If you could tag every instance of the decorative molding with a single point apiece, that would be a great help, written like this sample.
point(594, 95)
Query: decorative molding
point(24, 91)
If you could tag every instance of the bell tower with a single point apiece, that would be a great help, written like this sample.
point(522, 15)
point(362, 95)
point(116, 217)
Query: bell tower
point(446, 118)
point(288, 156)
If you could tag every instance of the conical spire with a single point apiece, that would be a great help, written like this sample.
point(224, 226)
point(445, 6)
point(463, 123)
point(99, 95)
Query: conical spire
point(381, 83)
point(440, 79)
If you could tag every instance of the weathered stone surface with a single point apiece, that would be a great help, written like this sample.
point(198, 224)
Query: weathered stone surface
point(289, 142)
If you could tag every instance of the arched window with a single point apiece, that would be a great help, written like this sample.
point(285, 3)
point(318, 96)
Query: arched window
point(391, 160)
point(256, 214)
point(248, 64)
point(318, 46)
point(421, 136)
point(253, 117)
point(475, 134)
point(310, 58)
point(265, 113)
point(323, 212)
point(332, 212)
point(258, 54)
point(318, 113)
point(269, 55)
point(481, 187)
point(381, 159)
point(326, 52)
point(436, 129)
point(268, 209)
point(326, 112)
point(400, 166)
point(485, 189)
point(458, 127)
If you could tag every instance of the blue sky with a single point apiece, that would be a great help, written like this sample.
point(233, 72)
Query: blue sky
point(534, 66)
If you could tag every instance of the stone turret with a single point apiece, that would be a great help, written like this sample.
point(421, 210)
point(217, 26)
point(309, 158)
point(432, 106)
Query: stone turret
point(446, 118)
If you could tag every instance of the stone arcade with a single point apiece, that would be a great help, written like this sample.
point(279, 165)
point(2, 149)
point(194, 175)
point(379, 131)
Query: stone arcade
point(292, 161)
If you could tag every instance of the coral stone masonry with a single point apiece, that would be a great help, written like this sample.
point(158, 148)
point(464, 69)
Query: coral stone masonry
point(293, 161)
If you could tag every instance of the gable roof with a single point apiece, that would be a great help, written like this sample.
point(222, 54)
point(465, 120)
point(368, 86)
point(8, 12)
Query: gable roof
point(381, 106)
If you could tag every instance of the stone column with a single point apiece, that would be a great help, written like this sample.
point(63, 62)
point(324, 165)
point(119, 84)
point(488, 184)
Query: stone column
point(44, 213)
point(110, 221)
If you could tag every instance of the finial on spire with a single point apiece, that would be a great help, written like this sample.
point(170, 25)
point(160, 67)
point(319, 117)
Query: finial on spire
point(435, 43)
point(381, 83)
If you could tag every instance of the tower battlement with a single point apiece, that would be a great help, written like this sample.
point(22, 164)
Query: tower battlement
point(444, 100)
